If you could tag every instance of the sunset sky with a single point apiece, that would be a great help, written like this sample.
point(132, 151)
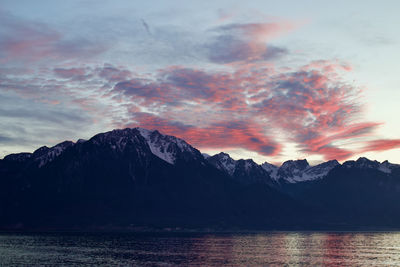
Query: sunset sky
point(268, 80)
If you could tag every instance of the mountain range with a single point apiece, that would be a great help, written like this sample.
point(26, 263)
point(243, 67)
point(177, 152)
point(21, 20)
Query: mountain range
point(134, 177)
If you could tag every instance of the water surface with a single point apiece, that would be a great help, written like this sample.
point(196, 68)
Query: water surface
point(200, 249)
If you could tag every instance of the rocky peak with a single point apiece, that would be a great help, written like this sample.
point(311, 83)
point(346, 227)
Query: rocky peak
point(292, 169)
point(223, 162)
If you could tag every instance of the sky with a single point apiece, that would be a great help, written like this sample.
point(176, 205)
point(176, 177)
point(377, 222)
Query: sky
point(268, 80)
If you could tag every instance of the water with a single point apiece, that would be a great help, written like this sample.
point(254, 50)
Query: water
point(195, 249)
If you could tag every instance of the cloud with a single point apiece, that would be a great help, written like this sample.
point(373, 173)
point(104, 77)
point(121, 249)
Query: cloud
point(320, 140)
point(258, 31)
point(226, 49)
point(145, 90)
point(252, 107)
point(311, 107)
point(113, 74)
point(331, 152)
point(56, 116)
point(245, 42)
point(247, 103)
point(31, 41)
point(381, 145)
point(26, 124)
point(197, 84)
point(6, 140)
point(221, 135)
point(77, 74)
point(175, 86)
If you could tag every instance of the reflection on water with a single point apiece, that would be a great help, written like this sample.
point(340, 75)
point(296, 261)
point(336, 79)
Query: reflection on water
point(272, 249)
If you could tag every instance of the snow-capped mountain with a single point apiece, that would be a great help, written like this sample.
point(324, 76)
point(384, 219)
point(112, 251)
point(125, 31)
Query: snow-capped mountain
point(300, 171)
point(172, 149)
point(138, 176)
point(129, 177)
point(169, 148)
point(319, 171)
point(42, 155)
point(364, 163)
point(291, 171)
point(388, 167)
point(223, 162)
point(165, 147)
point(245, 171)
point(271, 169)
point(294, 171)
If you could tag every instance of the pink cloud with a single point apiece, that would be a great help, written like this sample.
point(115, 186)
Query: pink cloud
point(251, 107)
point(381, 145)
point(260, 32)
point(310, 107)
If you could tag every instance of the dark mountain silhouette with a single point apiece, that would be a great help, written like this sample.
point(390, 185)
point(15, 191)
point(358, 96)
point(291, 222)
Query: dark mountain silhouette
point(136, 177)
point(131, 177)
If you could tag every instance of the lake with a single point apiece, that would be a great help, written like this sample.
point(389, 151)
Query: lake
point(202, 249)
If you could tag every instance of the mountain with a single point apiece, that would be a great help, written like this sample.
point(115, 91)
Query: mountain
point(291, 171)
point(364, 163)
point(244, 171)
point(131, 178)
point(361, 192)
point(295, 171)
point(223, 162)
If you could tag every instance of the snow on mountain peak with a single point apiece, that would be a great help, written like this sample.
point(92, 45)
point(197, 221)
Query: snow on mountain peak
point(364, 163)
point(292, 170)
point(224, 162)
point(387, 167)
point(166, 147)
point(247, 165)
point(144, 132)
point(299, 164)
point(319, 171)
point(361, 163)
point(271, 169)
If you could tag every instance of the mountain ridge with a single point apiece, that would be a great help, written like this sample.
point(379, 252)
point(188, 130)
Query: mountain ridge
point(139, 177)
point(165, 146)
